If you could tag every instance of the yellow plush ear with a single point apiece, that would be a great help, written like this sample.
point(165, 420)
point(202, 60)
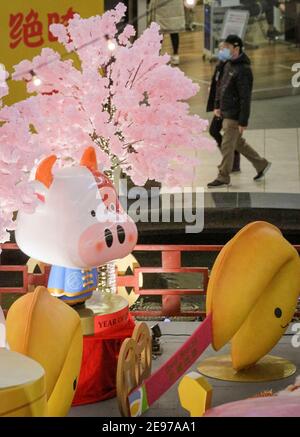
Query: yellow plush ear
point(48, 331)
point(241, 275)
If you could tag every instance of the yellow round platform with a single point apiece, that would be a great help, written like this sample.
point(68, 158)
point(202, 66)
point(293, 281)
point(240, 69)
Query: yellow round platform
point(269, 368)
point(22, 385)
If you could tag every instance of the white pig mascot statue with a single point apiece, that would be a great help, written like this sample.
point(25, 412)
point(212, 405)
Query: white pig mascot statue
point(77, 226)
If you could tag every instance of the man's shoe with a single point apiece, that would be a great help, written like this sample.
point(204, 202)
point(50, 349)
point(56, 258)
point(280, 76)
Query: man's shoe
point(175, 60)
point(217, 184)
point(273, 34)
point(236, 170)
point(262, 173)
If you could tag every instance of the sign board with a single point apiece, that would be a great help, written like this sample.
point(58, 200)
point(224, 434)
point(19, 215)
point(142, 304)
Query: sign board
point(235, 23)
point(230, 3)
point(24, 30)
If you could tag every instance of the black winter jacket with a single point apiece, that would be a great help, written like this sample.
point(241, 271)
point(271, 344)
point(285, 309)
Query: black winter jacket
point(233, 96)
point(215, 82)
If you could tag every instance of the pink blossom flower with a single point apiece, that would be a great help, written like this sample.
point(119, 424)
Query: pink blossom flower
point(126, 100)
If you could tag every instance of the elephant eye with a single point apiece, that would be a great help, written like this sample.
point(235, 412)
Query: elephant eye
point(278, 312)
point(74, 384)
point(93, 213)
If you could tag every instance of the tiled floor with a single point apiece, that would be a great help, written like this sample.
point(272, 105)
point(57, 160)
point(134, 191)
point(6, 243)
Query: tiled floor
point(223, 391)
point(280, 146)
point(274, 122)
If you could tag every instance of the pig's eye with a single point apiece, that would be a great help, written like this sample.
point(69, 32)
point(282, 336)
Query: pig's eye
point(278, 313)
point(112, 207)
point(93, 213)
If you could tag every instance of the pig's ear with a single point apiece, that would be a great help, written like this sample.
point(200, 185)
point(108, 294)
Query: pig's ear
point(44, 171)
point(89, 159)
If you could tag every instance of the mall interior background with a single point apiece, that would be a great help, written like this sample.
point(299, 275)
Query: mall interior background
point(275, 117)
point(274, 131)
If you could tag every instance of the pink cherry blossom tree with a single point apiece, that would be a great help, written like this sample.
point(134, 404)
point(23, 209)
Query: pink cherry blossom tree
point(124, 98)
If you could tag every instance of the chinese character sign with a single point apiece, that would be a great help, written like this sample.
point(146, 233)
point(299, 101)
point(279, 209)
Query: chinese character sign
point(28, 29)
point(24, 28)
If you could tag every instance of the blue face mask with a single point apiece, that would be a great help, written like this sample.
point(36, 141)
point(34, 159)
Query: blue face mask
point(224, 54)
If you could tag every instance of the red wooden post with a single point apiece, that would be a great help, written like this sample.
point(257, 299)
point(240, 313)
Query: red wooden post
point(171, 304)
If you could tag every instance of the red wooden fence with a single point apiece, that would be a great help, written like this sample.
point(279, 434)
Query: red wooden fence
point(171, 263)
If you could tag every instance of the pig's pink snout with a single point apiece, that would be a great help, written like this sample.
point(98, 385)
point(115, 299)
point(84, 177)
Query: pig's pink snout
point(98, 244)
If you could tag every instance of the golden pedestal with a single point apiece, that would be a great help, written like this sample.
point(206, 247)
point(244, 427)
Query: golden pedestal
point(269, 368)
point(103, 312)
point(22, 386)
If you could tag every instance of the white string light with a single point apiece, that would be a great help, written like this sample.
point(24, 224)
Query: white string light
point(111, 45)
point(35, 79)
point(190, 3)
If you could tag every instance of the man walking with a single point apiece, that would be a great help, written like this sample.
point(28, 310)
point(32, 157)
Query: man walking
point(232, 103)
point(216, 124)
